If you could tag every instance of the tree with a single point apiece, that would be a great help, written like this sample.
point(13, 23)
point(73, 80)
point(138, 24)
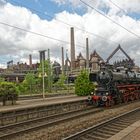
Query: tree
point(47, 73)
point(8, 92)
point(46, 67)
point(61, 82)
point(29, 80)
point(83, 86)
point(2, 79)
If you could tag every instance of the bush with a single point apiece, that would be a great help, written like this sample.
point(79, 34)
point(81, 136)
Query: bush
point(83, 86)
point(8, 91)
point(22, 88)
point(60, 84)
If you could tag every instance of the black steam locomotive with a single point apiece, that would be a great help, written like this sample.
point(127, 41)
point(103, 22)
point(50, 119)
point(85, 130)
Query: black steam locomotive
point(114, 86)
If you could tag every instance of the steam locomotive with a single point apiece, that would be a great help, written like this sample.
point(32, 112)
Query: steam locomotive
point(114, 86)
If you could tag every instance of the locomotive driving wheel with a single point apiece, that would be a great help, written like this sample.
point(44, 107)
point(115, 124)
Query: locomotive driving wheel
point(96, 103)
point(139, 95)
point(125, 99)
point(132, 97)
point(108, 103)
point(112, 102)
point(136, 96)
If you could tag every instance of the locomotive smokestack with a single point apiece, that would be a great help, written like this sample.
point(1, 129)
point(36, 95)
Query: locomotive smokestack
point(72, 48)
point(87, 54)
point(30, 61)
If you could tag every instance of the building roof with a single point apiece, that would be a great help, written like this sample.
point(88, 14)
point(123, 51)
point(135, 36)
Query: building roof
point(95, 54)
point(80, 57)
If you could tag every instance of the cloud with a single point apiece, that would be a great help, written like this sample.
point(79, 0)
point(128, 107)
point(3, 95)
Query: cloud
point(19, 44)
point(60, 1)
point(2, 3)
point(127, 5)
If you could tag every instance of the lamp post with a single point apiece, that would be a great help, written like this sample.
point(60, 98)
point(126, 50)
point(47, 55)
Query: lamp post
point(49, 73)
point(43, 93)
point(67, 71)
point(42, 59)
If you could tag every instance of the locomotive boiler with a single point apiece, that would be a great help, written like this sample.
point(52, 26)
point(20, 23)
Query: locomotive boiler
point(114, 86)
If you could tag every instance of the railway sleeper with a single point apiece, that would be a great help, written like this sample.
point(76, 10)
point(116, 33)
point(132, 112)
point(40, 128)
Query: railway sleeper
point(123, 123)
point(116, 124)
point(131, 120)
point(86, 137)
point(114, 128)
point(93, 137)
point(120, 125)
point(111, 130)
point(107, 131)
point(98, 133)
point(82, 138)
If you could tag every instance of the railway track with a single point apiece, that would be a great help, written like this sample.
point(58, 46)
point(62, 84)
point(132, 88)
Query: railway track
point(11, 130)
point(107, 129)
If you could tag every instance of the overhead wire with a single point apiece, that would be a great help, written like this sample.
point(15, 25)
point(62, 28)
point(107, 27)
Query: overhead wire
point(110, 19)
point(35, 33)
point(118, 6)
point(61, 21)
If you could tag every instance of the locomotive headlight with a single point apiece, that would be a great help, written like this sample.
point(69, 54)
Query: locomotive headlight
point(106, 93)
point(92, 93)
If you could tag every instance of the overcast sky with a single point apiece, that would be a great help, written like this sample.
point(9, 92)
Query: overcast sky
point(52, 20)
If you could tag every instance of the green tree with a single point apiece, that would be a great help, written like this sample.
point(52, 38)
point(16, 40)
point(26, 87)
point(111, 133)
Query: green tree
point(83, 86)
point(61, 82)
point(47, 73)
point(8, 91)
point(22, 87)
point(2, 79)
point(46, 67)
point(29, 80)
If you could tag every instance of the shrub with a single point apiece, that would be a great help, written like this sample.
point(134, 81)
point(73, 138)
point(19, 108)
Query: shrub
point(22, 88)
point(8, 91)
point(83, 86)
point(60, 84)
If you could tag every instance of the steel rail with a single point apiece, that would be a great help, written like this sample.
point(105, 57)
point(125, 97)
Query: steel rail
point(103, 130)
point(30, 125)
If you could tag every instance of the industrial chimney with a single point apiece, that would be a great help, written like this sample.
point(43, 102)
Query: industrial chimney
point(72, 48)
point(87, 54)
point(42, 55)
point(62, 60)
point(30, 61)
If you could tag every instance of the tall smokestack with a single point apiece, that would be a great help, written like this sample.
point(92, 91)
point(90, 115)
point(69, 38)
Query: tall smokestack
point(62, 60)
point(72, 48)
point(87, 54)
point(42, 55)
point(30, 61)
